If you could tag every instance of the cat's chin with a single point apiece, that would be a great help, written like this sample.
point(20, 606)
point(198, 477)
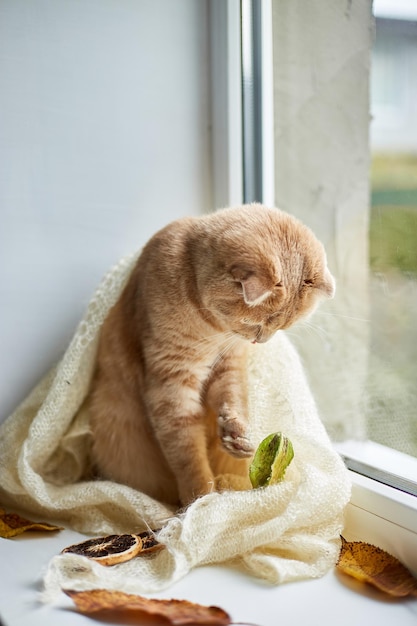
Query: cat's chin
point(262, 339)
point(254, 340)
point(264, 336)
point(259, 339)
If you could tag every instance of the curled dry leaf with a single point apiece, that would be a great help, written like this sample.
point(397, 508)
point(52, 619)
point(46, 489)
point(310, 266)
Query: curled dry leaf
point(174, 612)
point(372, 565)
point(12, 524)
point(115, 549)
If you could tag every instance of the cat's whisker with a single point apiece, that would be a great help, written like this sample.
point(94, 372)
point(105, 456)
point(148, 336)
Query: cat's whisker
point(204, 341)
point(199, 347)
point(349, 317)
point(207, 339)
point(233, 340)
point(230, 341)
point(321, 332)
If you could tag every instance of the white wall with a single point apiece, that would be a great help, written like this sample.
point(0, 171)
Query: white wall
point(104, 138)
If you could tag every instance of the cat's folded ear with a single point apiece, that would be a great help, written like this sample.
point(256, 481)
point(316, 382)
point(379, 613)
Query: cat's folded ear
point(255, 287)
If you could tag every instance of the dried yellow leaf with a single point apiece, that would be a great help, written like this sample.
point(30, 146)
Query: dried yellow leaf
point(12, 524)
point(370, 564)
point(175, 612)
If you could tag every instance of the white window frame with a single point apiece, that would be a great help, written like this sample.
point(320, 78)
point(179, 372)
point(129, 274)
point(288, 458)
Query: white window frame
point(226, 104)
point(377, 513)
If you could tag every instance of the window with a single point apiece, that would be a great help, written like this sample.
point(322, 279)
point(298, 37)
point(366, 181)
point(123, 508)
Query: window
point(326, 68)
point(329, 69)
point(392, 389)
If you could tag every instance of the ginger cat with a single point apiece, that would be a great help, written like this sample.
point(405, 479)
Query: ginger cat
point(168, 399)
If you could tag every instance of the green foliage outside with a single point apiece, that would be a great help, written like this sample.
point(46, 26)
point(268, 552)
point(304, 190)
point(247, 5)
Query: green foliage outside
point(393, 223)
point(392, 381)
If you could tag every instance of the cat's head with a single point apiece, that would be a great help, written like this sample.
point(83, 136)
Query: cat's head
point(264, 270)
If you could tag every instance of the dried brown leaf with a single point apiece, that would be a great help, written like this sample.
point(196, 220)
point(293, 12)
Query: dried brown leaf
point(370, 564)
point(12, 524)
point(175, 612)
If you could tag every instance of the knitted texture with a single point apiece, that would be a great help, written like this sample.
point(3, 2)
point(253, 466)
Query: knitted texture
point(279, 533)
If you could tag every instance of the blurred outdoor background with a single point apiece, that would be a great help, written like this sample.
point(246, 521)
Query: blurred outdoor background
point(392, 385)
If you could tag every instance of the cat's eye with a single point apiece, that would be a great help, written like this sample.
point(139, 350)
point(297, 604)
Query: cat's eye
point(278, 284)
point(308, 281)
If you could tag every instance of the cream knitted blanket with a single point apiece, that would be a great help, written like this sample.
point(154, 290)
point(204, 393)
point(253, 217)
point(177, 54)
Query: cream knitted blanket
point(280, 533)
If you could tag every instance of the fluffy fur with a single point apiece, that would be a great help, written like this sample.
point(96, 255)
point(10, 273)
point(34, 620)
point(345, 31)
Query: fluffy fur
point(168, 399)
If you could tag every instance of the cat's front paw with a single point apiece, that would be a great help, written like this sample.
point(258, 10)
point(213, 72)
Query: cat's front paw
point(233, 437)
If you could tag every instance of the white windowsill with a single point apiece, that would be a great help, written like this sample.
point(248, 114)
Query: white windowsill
point(377, 514)
point(332, 599)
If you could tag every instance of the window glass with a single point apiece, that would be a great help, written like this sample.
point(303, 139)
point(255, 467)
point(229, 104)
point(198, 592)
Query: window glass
point(392, 385)
point(355, 184)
